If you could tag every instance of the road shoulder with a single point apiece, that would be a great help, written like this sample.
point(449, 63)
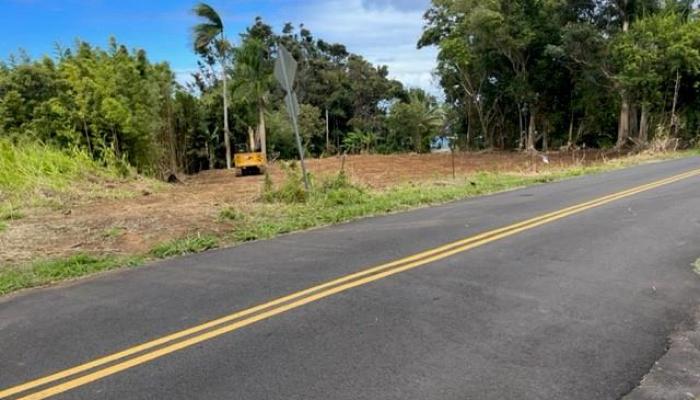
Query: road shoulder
point(676, 375)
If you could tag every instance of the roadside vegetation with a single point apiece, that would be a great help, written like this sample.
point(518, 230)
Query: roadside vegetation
point(517, 77)
point(188, 245)
point(34, 174)
point(285, 207)
point(49, 271)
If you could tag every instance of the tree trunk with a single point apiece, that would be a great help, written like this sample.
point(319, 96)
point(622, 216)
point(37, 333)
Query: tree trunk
point(227, 137)
point(469, 128)
point(252, 139)
point(634, 122)
point(521, 141)
point(171, 138)
point(209, 157)
point(501, 135)
point(644, 126)
point(87, 138)
point(531, 132)
point(227, 134)
point(570, 142)
point(545, 145)
point(262, 132)
point(623, 130)
point(674, 120)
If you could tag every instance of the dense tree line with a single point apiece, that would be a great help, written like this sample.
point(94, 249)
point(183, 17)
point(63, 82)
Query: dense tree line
point(521, 74)
point(345, 101)
point(118, 106)
point(551, 73)
point(113, 103)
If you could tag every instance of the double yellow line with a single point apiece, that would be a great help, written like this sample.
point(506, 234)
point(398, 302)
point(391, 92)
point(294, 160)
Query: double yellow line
point(114, 363)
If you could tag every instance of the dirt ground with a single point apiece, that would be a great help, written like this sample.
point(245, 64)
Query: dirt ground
point(134, 225)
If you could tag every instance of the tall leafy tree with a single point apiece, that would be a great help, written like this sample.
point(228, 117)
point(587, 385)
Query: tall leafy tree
point(253, 81)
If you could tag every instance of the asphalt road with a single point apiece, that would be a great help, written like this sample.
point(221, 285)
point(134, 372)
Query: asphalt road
point(579, 307)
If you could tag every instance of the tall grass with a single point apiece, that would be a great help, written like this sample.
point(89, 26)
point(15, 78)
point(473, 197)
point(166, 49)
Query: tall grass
point(32, 171)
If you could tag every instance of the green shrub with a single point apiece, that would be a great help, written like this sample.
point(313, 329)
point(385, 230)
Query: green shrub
point(189, 245)
point(292, 189)
point(231, 214)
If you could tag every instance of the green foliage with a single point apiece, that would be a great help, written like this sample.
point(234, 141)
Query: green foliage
point(188, 245)
point(414, 123)
point(48, 271)
point(231, 214)
point(514, 74)
point(292, 189)
point(281, 138)
point(556, 73)
point(337, 200)
point(311, 127)
point(649, 57)
point(34, 171)
point(206, 34)
point(9, 211)
point(359, 141)
point(101, 101)
point(115, 103)
point(339, 191)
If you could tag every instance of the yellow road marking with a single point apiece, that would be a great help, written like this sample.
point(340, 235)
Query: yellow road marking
point(298, 299)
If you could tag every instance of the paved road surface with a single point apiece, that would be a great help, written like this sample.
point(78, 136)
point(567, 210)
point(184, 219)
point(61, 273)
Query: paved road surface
point(578, 307)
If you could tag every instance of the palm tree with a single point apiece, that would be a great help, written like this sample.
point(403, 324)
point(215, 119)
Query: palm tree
point(253, 77)
point(208, 38)
point(429, 117)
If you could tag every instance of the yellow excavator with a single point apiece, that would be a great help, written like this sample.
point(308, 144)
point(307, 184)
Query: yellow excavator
point(249, 158)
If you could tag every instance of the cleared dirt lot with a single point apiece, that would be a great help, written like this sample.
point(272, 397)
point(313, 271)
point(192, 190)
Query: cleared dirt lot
point(136, 224)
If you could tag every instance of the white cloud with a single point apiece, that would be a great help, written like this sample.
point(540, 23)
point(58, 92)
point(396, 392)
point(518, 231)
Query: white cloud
point(403, 5)
point(383, 31)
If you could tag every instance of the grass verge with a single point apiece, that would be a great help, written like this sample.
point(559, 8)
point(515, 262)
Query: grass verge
point(343, 203)
point(50, 271)
point(189, 245)
point(45, 272)
point(287, 208)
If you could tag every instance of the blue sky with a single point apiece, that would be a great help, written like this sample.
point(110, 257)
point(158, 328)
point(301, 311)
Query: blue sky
point(384, 31)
